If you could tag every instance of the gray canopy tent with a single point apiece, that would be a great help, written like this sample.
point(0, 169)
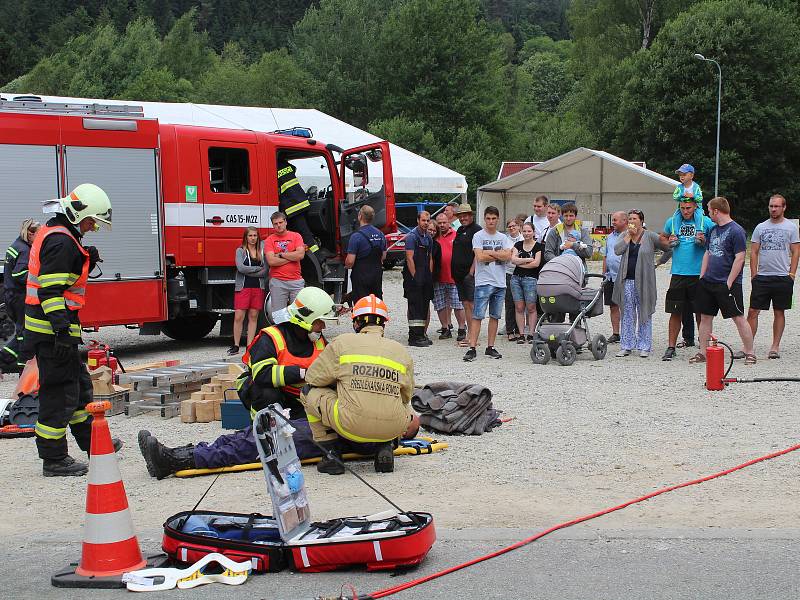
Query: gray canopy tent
point(599, 184)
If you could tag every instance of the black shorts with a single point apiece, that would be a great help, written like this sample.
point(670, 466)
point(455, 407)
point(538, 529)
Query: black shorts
point(682, 290)
point(466, 289)
point(713, 297)
point(775, 288)
point(608, 292)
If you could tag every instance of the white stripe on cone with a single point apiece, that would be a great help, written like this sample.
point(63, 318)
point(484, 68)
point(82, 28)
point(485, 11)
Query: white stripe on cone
point(103, 469)
point(108, 528)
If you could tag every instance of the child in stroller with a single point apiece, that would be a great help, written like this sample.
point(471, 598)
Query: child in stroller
point(561, 289)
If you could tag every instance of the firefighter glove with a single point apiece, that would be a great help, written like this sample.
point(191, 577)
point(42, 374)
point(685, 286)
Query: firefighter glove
point(62, 344)
point(94, 256)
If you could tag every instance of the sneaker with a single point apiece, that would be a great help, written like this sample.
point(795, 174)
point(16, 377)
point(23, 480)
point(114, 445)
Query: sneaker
point(470, 355)
point(669, 353)
point(643, 354)
point(233, 350)
point(447, 334)
point(613, 339)
point(462, 335)
point(492, 352)
point(623, 353)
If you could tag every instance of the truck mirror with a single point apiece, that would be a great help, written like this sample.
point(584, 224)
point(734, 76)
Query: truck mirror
point(358, 165)
point(375, 155)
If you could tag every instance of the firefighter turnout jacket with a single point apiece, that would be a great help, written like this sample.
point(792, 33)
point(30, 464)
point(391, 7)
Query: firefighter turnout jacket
point(273, 360)
point(373, 379)
point(292, 197)
point(58, 269)
point(15, 269)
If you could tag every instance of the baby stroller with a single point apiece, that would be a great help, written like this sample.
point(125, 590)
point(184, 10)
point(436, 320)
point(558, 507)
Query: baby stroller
point(561, 290)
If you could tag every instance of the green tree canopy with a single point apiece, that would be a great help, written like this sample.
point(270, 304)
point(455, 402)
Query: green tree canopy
point(667, 108)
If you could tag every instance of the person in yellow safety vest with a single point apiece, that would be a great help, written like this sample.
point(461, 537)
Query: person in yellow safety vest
point(294, 203)
point(360, 389)
point(277, 360)
point(58, 270)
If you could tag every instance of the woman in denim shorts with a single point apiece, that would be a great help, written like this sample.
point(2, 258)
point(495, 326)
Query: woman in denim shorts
point(527, 257)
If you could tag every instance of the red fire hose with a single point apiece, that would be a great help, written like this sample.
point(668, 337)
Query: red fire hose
point(409, 584)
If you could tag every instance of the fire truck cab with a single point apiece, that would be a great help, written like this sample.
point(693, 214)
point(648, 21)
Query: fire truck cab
point(182, 197)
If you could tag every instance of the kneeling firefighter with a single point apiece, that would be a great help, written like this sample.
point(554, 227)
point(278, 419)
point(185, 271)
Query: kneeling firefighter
point(359, 389)
point(276, 361)
point(58, 270)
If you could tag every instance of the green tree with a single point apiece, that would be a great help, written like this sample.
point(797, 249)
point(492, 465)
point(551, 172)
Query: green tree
point(607, 31)
point(667, 108)
point(453, 71)
point(337, 43)
point(274, 80)
point(186, 52)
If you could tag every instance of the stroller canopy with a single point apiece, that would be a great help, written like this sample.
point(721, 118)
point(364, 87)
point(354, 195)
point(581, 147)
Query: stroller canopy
point(563, 275)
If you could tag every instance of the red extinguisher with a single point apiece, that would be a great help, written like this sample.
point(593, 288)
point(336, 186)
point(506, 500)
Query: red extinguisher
point(100, 355)
point(715, 366)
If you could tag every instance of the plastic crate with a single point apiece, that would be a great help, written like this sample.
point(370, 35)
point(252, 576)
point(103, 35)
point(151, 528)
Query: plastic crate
point(234, 415)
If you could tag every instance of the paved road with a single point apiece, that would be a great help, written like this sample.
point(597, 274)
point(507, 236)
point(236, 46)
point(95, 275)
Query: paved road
point(580, 563)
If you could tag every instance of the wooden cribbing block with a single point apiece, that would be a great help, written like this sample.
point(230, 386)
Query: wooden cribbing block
point(188, 414)
point(204, 411)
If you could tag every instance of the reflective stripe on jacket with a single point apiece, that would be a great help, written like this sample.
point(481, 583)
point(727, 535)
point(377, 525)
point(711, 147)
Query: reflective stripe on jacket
point(75, 295)
point(374, 379)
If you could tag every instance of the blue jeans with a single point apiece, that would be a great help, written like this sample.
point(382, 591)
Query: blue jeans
point(523, 289)
point(488, 296)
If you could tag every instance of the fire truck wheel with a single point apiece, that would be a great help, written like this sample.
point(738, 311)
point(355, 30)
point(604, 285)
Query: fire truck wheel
point(190, 328)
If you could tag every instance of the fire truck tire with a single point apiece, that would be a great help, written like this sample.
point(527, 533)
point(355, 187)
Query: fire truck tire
point(190, 328)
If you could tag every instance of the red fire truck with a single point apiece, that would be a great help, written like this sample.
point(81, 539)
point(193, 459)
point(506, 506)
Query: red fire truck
point(182, 196)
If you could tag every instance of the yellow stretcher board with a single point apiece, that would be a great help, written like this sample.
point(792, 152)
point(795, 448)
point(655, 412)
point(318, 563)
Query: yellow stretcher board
point(435, 446)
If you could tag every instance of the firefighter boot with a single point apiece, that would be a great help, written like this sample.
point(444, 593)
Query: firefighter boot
point(142, 438)
point(416, 337)
point(384, 458)
point(331, 462)
point(66, 467)
point(166, 461)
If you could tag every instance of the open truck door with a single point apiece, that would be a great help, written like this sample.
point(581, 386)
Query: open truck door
point(366, 178)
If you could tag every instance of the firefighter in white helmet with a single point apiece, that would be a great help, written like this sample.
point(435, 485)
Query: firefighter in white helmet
point(360, 389)
point(58, 270)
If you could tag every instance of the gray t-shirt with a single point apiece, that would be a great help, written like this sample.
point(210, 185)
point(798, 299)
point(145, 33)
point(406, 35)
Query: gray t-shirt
point(776, 241)
point(493, 273)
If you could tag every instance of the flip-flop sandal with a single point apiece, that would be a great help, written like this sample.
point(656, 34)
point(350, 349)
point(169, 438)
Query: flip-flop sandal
point(750, 359)
point(773, 354)
point(739, 355)
point(697, 358)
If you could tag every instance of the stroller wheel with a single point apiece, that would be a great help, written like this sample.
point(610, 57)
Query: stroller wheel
point(598, 347)
point(565, 354)
point(540, 353)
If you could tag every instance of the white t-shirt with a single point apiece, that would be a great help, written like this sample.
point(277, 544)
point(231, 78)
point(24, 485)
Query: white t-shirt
point(493, 273)
point(510, 266)
point(539, 225)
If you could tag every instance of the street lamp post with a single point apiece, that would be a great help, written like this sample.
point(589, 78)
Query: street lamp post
point(719, 115)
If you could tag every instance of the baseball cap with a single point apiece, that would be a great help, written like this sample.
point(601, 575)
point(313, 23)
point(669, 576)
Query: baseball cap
point(685, 168)
point(463, 208)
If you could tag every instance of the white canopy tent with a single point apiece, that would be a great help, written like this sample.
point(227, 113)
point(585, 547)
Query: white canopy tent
point(413, 174)
point(599, 184)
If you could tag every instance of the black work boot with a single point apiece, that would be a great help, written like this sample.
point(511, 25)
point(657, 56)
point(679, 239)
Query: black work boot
point(142, 438)
point(416, 337)
point(66, 467)
point(384, 458)
point(166, 461)
point(331, 466)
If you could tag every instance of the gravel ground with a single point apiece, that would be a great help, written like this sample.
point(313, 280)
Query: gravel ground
point(582, 438)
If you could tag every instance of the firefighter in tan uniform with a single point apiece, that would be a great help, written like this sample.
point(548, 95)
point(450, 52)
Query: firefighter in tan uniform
point(360, 389)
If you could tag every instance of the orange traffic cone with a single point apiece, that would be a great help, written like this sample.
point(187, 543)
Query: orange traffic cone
point(110, 547)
